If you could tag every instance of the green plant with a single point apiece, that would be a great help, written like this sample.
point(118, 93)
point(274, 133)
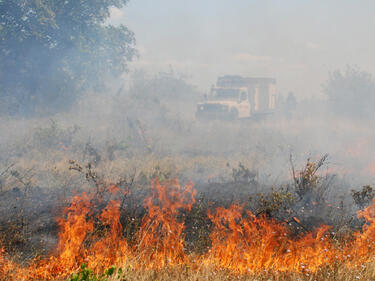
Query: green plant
point(86, 274)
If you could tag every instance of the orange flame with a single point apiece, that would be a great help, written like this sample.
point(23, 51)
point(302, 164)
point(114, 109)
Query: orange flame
point(362, 249)
point(70, 249)
point(111, 249)
point(160, 237)
point(251, 244)
point(241, 241)
point(5, 265)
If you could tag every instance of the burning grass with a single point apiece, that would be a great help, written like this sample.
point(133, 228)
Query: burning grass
point(243, 246)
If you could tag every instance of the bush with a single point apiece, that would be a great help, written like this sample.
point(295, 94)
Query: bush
point(351, 93)
point(86, 274)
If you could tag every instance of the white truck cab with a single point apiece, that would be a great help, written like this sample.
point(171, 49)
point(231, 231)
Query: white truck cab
point(235, 97)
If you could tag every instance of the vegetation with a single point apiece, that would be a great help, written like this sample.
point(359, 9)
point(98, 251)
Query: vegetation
point(104, 193)
point(297, 203)
point(85, 274)
point(351, 92)
point(184, 273)
point(56, 159)
point(50, 51)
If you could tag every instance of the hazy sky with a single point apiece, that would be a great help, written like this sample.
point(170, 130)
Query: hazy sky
point(298, 42)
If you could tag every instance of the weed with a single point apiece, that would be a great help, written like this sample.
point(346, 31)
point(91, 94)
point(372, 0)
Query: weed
point(244, 175)
point(86, 274)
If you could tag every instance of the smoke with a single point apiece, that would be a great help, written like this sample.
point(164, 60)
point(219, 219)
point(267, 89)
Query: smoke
point(124, 131)
point(145, 121)
point(154, 117)
point(301, 42)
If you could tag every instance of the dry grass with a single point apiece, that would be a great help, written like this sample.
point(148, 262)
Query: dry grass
point(49, 167)
point(186, 273)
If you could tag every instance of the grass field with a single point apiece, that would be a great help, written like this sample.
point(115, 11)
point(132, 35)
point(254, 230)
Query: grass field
point(243, 209)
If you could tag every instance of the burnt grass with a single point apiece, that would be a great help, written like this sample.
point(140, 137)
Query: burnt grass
point(28, 221)
point(28, 225)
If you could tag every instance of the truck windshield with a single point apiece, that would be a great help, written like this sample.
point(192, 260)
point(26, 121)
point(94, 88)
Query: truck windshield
point(227, 94)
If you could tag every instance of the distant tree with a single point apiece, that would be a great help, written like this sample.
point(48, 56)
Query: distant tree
point(51, 50)
point(351, 93)
point(158, 100)
point(164, 86)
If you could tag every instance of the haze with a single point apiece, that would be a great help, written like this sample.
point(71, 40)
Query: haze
point(297, 42)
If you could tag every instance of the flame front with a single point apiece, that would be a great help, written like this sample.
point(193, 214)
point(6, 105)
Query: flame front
point(160, 237)
point(251, 244)
point(70, 252)
point(240, 241)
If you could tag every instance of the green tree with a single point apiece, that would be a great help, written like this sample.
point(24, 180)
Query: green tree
point(351, 92)
point(52, 50)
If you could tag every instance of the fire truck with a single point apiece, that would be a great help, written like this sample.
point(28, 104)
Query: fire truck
point(237, 97)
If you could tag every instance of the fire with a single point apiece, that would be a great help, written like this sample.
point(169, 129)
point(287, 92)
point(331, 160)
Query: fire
point(251, 244)
point(112, 249)
point(160, 237)
point(363, 247)
point(240, 241)
point(70, 251)
point(5, 265)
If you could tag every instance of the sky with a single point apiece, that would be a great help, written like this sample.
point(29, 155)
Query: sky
point(297, 42)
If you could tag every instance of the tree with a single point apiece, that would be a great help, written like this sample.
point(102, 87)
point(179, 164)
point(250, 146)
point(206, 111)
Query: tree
point(351, 93)
point(52, 50)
